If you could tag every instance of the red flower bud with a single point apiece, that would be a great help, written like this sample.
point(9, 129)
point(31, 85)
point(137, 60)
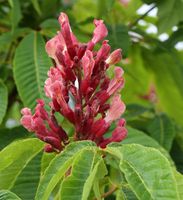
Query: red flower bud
point(115, 57)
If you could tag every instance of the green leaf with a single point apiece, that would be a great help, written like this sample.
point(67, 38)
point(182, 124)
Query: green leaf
point(96, 176)
point(120, 195)
point(134, 110)
point(8, 37)
point(148, 1)
point(79, 181)
point(16, 14)
point(57, 169)
point(5, 41)
point(14, 158)
point(139, 137)
point(8, 135)
point(118, 37)
point(49, 27)
point(50, 8)
point(36, 6)
point(167, 70)
point(50, 23)
point(128, 194)
point(177, 151)
point(179, 180)
point(104, 7)
point(81, 11)
point(125, 194)
point(169, 14)
point(147, 171)
point(162, 129)
point(46, 159)
point(134, 76)
point(7, 195)
point(27, 181)
point(3, 100)
point(99, 170)
point(31, 64)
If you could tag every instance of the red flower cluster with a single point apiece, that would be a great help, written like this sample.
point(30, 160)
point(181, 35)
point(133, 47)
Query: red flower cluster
point(80, 90)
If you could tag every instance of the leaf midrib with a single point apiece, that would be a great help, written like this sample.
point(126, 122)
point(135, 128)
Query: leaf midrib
point(36, 64)
point(23, 167)
point(161, 131)
point(145, 186)
point(91, 169)
point(67, 162)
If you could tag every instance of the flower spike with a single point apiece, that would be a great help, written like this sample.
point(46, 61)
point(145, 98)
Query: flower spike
point(80, 90)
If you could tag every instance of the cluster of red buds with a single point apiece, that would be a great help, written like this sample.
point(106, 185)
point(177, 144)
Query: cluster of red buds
point(80, 90)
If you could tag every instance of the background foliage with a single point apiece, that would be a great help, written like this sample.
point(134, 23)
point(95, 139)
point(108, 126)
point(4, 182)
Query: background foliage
point(153, 63)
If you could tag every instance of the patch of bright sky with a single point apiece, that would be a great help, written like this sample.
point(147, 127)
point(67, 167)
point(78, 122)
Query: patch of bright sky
point(152, 29)
point(144, 8)
point(142, 22)
point(174, 28)
point(179, 46)
point(10, 123)
point(163, 37)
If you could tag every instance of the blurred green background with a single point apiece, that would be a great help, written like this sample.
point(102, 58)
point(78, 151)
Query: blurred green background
point(150, 34)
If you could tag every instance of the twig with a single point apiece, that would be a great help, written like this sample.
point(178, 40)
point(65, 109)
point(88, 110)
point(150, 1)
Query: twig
point(112, 190)
point(141, 17)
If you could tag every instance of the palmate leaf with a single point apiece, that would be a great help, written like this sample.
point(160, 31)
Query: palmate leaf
point(27, 181)
point(138, 137)
point(58, 167)
point(97, 174)
point(14, 159)
point(3, 100)
point(31, 64)
point(147, 171)
point(46, 159)
point(80, 181)
point(9, 135)
point(7, 195)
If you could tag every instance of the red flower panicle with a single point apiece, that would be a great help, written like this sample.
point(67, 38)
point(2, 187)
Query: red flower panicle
point(80, 90)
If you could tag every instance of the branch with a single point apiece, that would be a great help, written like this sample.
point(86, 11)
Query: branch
point(141, 17)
